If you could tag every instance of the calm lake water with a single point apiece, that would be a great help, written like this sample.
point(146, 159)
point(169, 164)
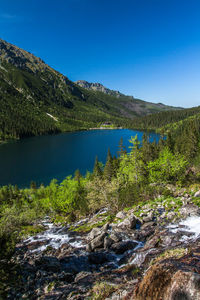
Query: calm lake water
point(55, 156)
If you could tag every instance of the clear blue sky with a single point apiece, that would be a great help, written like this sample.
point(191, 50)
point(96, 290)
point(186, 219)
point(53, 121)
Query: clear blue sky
point(146, 48)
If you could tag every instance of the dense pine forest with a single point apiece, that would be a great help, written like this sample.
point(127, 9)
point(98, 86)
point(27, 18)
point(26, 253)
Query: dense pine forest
point(159, 120)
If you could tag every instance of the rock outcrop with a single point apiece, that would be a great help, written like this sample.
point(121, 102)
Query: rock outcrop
point(172, 279)
point(98, 87)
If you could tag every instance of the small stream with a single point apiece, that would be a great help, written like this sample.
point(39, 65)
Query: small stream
point(54, 237)
point(57, 236)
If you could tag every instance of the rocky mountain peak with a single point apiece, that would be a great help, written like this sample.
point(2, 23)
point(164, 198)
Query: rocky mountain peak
point(20, 58)
point(97, 87)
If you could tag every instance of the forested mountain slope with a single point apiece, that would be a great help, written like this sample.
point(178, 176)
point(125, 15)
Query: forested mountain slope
point(35, 99)
point(182, 129)
point(161, 119)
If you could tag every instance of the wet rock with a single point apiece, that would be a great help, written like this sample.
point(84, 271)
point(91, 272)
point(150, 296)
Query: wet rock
point(153, 241)
point(67, 277)
point(107, 242)
point(125, 258)
point(97, 258)
point(36, 244)
point(121, 247)
point(48, 263)
point(88, 247)
point(64, 250)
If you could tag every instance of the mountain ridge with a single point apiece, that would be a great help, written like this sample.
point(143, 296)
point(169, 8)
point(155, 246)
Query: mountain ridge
point(31, 92)
point(96, 86)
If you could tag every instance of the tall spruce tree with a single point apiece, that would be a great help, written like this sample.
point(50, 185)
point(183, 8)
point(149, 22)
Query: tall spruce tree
point(97, 172)
point(122, 148)
point(108, 169)
point(77, 175)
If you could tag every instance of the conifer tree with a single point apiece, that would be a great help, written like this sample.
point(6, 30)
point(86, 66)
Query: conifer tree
point(108, 169)
point(97, 172)
point(146, 149)
point(170, 142)
point(122, 148)
point(77, 175)
point(33, 185)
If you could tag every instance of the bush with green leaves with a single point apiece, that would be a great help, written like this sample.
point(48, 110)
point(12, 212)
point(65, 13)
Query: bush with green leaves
point(168, 168)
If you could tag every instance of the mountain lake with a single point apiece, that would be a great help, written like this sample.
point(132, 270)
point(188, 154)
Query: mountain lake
point(43, 158)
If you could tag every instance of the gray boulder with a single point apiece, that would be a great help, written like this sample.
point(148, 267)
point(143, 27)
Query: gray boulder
point(94, 233)
point(128, 223)
point(189, 210)
point(98, 242)
point(121, 215)
point(149, 217)
point(116, 237)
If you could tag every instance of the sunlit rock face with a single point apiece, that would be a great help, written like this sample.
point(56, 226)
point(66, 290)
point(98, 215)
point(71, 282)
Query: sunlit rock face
point(97, 87)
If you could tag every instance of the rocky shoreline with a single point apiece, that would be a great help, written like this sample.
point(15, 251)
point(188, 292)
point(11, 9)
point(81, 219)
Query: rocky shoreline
point(147, 252)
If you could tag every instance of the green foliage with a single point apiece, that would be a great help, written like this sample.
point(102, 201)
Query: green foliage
point(132, 168)
point(167, 168)
point(97, 171)
point(68, 198)
point(109, 168)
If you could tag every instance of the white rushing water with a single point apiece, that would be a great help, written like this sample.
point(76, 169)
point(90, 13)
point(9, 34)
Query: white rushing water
point(54, 237)
point(190, 225)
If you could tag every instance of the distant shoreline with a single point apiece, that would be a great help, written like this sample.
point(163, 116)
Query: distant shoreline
point(102, 128)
